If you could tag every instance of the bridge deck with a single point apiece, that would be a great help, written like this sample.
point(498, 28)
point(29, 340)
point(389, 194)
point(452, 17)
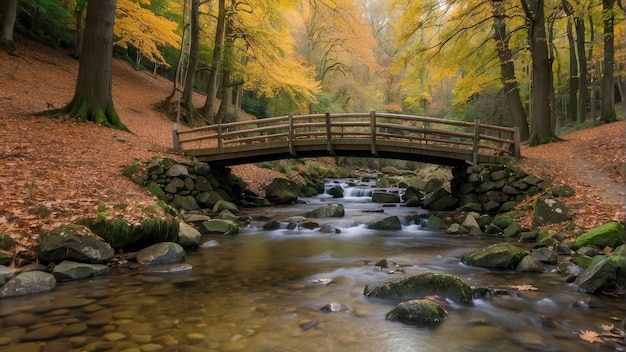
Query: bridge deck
point(391, 136)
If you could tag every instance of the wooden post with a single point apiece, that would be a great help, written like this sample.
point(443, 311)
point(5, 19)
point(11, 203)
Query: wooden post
point(373, 131)
point(292, 133)
point(220, 144)
point(517, 152)
point(476, 141)
point(175, 137)
point(329, 147)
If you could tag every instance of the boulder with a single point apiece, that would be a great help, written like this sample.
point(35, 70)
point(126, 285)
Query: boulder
point(328, 211)
point(208, 199)
point(73, 242)
point(499, 255)
point(271, 225)
point(513, 230)
point(428, 284)
point(188, 236)
point(595, 277)
point(385, 197)
point(336, 191)
point(177, 170)
point(224, 205)
point(545, 255)
point(388, 223)
point(328, 228)
point(457, 229)
point(550, 211)
point(420, 312)
point(411, 192)
point(469, 222)
point(226, 227)
point(434, 222)
point(563, 191)
point(161, 253)
point(227, 215)
point(610, 234)
point(68, 270)
point(414, 202)
point(185, 202)
point(282, 191)
point(530, 264)
point(439, 200)
point(28, 283)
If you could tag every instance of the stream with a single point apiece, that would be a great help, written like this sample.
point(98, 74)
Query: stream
point(263, 290)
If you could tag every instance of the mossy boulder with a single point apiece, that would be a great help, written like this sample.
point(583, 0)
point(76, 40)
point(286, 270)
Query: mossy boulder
point(282, 191)
point(388, 223)
point(610, 234)
point(226, 227)
point(429, 284)
point(73, 242)
point(68, 270)
point(328, 211)
point(121, 235)
point(550, 211)
point(499, 255)
point(419, 312)
point(596, 277)
point(224, 205)
point(434, 222)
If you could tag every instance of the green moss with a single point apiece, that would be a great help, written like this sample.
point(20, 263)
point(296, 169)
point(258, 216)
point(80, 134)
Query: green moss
point(610, 234)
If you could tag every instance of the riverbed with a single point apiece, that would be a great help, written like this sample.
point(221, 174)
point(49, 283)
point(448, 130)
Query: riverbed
point(264, 290)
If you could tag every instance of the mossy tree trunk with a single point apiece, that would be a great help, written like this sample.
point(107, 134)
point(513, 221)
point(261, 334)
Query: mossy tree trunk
point(93, 98)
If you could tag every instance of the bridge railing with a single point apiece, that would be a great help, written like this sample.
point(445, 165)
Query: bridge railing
point(373, 127)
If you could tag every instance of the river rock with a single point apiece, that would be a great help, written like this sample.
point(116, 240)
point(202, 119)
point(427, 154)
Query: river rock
point(469, 221)
point(530, 264)
point(68, 270)
point(336, 191)
point(222, 205)
point(185, 202)
point(595, 277)
point(188, 236)
point(282, 191)
point(73, 242)
point(414, 202)
point(161, 253)
point(550, 211)
point(328, 228)
point(388, 223)
point(457, 229)
point(499, 255)
point(569, 269)
point(545, 255)
point(434, 222)
point(210, 244)
point(335, 307)
point(328, 211)
point(420, 312)
point(610, 234)
point(428, 284)
point(28, 283)
point(411, 192)
point(512, 230)
point(385, 197)
point(439, 200)
point(226, 227)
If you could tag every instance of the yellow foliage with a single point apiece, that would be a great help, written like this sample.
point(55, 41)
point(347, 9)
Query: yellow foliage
point(141, 28)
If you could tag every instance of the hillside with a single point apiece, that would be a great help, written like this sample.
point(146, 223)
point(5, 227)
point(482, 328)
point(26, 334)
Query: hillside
point(54, 171)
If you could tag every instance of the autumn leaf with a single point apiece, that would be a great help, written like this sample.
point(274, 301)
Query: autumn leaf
point(524, 288)
point(590, 336)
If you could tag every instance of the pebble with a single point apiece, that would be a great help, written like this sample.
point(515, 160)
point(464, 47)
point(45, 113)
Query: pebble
point(151, 347)
point(114, 336)
point(44, 333)
point(195, 337)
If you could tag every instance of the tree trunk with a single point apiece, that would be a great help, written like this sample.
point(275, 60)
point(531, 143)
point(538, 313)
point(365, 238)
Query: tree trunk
point(541, 131)
point(507, 72)
point(181, 55)
point(227, 90)
point(208, 110)
point(607, 111)
point(573, 74)
point(9, 12)
point(93, 98)
point(79, 17)
point(579, 24)
point(193, 62)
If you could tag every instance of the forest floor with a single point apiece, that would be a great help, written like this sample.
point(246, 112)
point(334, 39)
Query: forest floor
point(54, 171)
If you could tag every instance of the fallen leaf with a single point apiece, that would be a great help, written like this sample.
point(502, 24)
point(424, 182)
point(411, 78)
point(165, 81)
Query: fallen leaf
point(590, 336)
point(524, 287)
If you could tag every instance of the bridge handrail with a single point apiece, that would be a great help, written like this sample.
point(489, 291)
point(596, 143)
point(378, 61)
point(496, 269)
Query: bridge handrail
point(372, 125)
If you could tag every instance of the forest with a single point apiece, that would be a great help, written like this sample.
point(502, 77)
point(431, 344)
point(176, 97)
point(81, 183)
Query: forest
point(538, 65)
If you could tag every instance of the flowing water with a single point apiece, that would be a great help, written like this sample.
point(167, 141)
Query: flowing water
point(262, 291)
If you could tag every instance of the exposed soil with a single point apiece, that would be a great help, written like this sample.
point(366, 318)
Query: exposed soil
point(54, 171)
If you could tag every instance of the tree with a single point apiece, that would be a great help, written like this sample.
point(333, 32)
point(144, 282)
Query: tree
point(93, 99)
point(192, 65)
point(79, 18)
point(8, 22)
point(541, 127)
point(507, 71)
point(607, 108)
point(211, 86)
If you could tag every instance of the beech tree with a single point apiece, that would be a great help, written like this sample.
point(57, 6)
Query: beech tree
point(93, 98)
point(607, 107)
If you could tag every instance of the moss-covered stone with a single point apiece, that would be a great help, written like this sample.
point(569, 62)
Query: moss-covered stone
point(610, 234)
point(227, 227)
point(429, 284)
point(420, 312)
point(499, 255)
point(388, 223)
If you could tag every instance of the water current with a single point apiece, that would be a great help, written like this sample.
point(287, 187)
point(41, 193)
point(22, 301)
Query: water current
point(263, 290)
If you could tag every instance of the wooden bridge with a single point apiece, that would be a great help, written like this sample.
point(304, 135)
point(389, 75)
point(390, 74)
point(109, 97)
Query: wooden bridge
point(378, 135)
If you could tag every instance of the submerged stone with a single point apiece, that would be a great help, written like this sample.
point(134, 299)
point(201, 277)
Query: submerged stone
point(429, 284)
